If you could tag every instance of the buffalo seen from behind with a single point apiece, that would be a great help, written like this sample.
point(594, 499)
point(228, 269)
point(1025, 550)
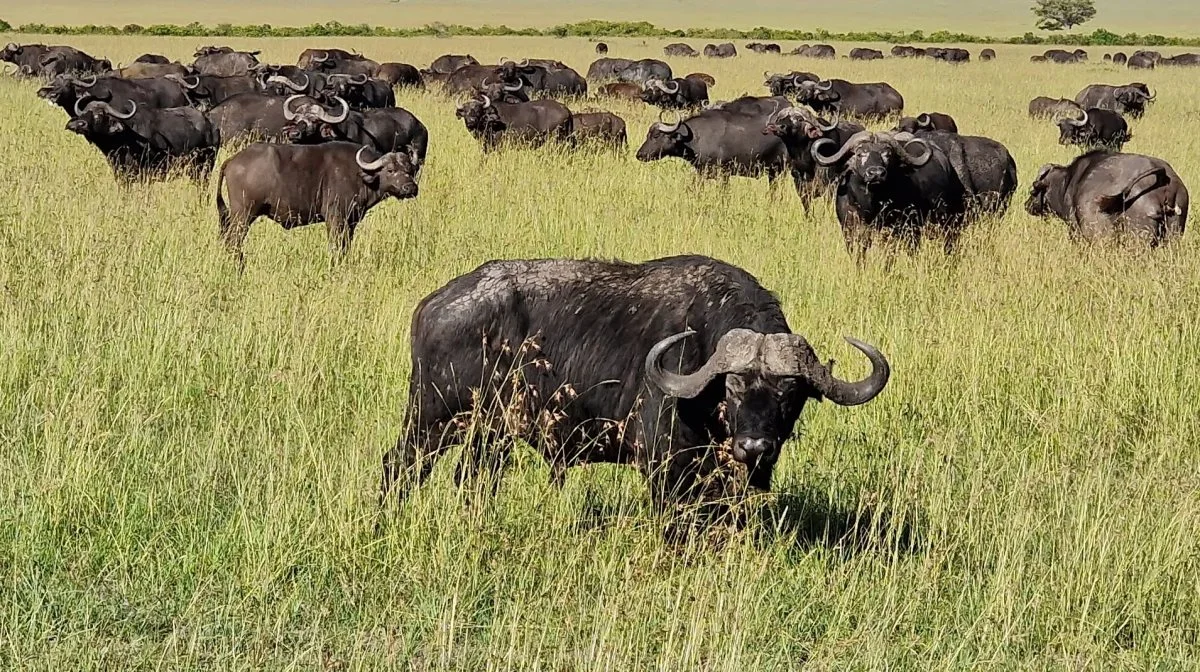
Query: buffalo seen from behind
point(1108, 195)
point(698, 380)
point(335, 182)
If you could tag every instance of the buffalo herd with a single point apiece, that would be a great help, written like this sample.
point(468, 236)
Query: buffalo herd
point(683, 366)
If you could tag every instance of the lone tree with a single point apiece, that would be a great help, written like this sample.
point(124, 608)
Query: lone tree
point(1063, 14)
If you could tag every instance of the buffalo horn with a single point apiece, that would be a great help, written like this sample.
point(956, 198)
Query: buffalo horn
point(358, 81)
point(280, 79)
point(288, 114)
point(325, 117)
point(12, 46)
point(487, 102)
point(665, 127)
point(81, 104)
point(736, 350)
point(513, 87)
point(86, 85)
point(320, 59)
point(825, 85)
point(1078, 122)
point(832, 125)
point(119, 115)
point(854, 141)
point(371, 166)
point(907, 139)
point(1152, 95)
point(923, 120)
point(845, 393)
point(670, 91)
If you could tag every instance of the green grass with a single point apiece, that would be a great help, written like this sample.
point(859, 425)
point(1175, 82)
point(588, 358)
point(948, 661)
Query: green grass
point(189, 458)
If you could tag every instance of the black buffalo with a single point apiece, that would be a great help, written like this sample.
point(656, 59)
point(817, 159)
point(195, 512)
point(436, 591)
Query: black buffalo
point(148, 143)
point(1181, 60)
point(1120, 58)
point(601, 48)
point(1130, 99)
point(865, 54)
point(948, 54)
point(227, 64)
point(448, 63)
point(157, 59)
point(68, 91)
point(360, 91)
point(985, 168)
point(69, 60)
point(607, 68)
point(1063, 56)
point(888, 188)
point(723, 50)
point(1052, 107)
point(384, 130)
point(815, 51)
point(640, 72)
point(1096, 128)
point(1141, 62)
point(253, 116)
point(336, 183)
point(928, 121)
point(207, 91)
point(764, 48)
point(680, 49)
point(906, 51)
point(987, 55)
point(1105, 194)
point(534, 123)
point(400, 74)
point(676, 94)
point(799, 128)
point(867, 101)
point(311, 59)
point(787, 84)
point(286, 80)
point(603, 129)
point(720, 143)
point(697, 370)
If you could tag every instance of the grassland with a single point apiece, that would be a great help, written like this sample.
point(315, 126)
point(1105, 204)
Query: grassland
point(188, 458)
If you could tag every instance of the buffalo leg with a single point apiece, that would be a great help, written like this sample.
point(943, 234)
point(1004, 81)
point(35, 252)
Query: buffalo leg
point(233, 230)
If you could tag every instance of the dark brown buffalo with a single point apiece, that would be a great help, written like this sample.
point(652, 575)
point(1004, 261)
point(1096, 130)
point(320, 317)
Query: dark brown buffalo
point(816, 51)
point(623, 90)
point(1104, 195)
point(149, 143)
point(1052, 107)
point(928, 121)
point(534, 123)
point(865, 54)
point(1095, 128)
point(987, 55)
point(311, 59)
point(152, 70)
point(723, 50)
point(335, 182)
point(448, 63)
point(253, 116)
point(680, 49)
point(207, 91)
point(603, 129)
point(400, 74)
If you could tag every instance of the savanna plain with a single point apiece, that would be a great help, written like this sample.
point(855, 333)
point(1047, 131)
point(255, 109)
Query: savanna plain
point(189, 458)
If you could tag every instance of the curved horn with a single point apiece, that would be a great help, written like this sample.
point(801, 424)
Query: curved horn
point(319, 59)
point(119, 115)
point(1153, 94)
point(358, 81)
point(288, 114)
point(85, 84)
point(1078, 122)
point(524, 63)
point(81, 104)
point(670, 91)
point(909, 139)
point(923, 120)
point(832, 125)
point(854, 141)
point(513, 87)
point(845, 393)
point(668, 128)
point(335, 120)
point(371, 166)
point(674, 384)
point(487, 101)
point(828, 84)
point(280, 79)
point(26, 69)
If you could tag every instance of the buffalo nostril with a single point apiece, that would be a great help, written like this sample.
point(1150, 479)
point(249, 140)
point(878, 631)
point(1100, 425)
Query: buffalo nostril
point(752, 447)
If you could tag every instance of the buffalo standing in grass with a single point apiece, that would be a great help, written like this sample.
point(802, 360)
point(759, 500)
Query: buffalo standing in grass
point(865, 54)
point(384, 130)
point(400, 74)
point(535, 123)
point(680, 49)
point(723, 50)
point(985, 168)
point(227, 64)
point(1130, 99)
point(1096, 128)
point(607, 68)
point(68, 91)
point(799, 129)
point(254, 116)
point(822, 51)
point(681, 367)
point(448, 63)
point(1049, 108)
point(148, 143)
point(360, 91)
point(1105, 194)
point(987, 55)
point(787, 84)
point(207, 91)
point(676, 94)
point(866, 101)
point(603, 129)
point(928, 121)
point(336, 183)
point(720, 143)
point(645, 70)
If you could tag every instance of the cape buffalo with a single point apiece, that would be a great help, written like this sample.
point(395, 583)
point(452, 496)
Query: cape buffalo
point(336, 183)
point(1104, 194)
point(227, 64)
point(68, 60)
point(904, 51)
point(865, 54)
point(152, 58)
point(948, 55)
point(27, 57)
point(985, 168)
point(286, 80)
point(534, 123)
point(697, 371)
point(66, 91)
point(603, 129)
point(799, 128)
point(1120, 58)
point(723, 50)
point(1052, 107)
point(151, 70)
point(1181, 60)
point(680, 49)
point(384, 130)
point(787, 84)
point(607, 68)
point(1141, 61)
point(147, 143)
point(987, 55)
point(719, 143)
point(249, 115)
point(816, 51)
point(448, 63)
point(360, 91)
point(601, 48)
point(761, 48)
point(675, 94)
point(889, 188)
point(400, 74)
point(708, 79)
point(1130, 99)
point(311, 59)
point(1096, 128)
point(206, 91)
point(867, 101)
point(929, 121)
point(640, 72)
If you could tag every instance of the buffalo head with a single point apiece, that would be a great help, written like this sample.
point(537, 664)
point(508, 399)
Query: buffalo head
point(98, 118)
point(1051, 180)
point(817, 94)
point(874, 155)
point(479, 115)
point(797, 122)
point(311, 122)
point(1072, 129)
point(392, 174)
point(663, 140)
point(767, 380)
point(1134, 98)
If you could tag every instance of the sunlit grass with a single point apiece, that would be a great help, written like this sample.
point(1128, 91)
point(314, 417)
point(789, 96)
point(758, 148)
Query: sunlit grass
point(189, 459)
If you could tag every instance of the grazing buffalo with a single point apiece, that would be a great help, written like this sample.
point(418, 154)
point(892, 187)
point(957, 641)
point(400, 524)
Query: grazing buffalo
point(400, 74)
point(601, 48)
point(948, 54)
point(987, 55)
point(787, 84)
point(1181, 60)
point(641, 72)
point(680, 49)
point(534, 123)
point(905, 51)
point(867, 101)
point(1120, 58)
point(719, 143)
point(384, 130)
point(676, 94)
point(888, 188)
point(1096, 128)
point(448, 63)
point(1130, 99)
point(1141, 61)
point(624, 90)
point(563, 82)
point(761, 48)
point(816, 51)
point(1063, 56)
point(253, 116)
point(1104, 194)
point(147, 143)
point(285, 80)
point(151, 70)
point(603, 129)
point(152, 58)
point(607, 68)
point(799, 128)
point(227, 64)
point(929, 121)
point(311, 59)
point(708, 79)
point(1052, 107)
point(697, 371)
point(334, 182)
point(69, 60)
point(723, 50)
point(865, 54)
point(207, 91)
point(360, 91)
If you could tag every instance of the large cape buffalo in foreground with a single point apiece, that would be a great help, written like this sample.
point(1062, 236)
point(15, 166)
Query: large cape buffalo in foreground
point(336, 183)
point(1105, 194)
point(683, 367)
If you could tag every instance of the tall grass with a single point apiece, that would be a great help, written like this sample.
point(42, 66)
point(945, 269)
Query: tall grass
point(189, 458)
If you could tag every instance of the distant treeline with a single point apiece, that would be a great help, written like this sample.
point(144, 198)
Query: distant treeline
point(593, 28)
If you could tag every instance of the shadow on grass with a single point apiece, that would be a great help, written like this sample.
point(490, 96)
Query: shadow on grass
point(807, 520)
